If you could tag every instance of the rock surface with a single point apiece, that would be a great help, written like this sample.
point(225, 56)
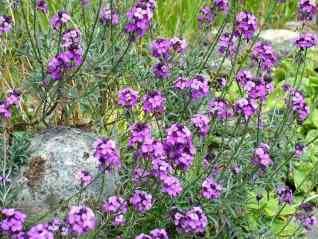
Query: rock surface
point(49, 175)
point(282, 40)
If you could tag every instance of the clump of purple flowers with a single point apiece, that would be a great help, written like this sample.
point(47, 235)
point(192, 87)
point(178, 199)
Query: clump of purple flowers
point(210, 189)
point(154, 234)
point(285, 195)
point(228, 44)
point(141, 201)
point(162, 70)
point(59, 20)
point(5, 24)
point(84, 177)
point(139, 133)
point(306, 216)
point(220, 109)
point(246, 107)
point(222, 5)
point(41, 5)
point(199, 87)
point(154, 102)
point(245, 25)
point(179, 146)
point(109, 16)
point(127, 97)
point(206, 17)
point(201, 123)
point(264, 55)
point(13, 222)
point(81, 220)
point(307, 9)
point(171, 186)
point(262, 157)
point(140, 17)
point(192, 222)
point(107, 153)
point(117, 207)
point(71, 37)
point(245, 79)
point(40, 231)
point(306, 41)
point(298, 104)
point(6, 105)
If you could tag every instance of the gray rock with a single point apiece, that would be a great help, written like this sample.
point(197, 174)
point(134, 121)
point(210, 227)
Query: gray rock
point(282, 40)
point(48, 179)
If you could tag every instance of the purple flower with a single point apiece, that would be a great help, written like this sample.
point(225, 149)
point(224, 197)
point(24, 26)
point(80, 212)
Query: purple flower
point(309, 222)
point(298, 104)
point(228, 44)
point(262, 157)
point(285, 195)
point(193, 221)
point(179, 45)
point(182, 83)
point(201, 122)
point(264, 55)
point(40, 231)
point(85, 2)
point(139, 132)
point(12, 222)
point(222, 5)
point(154, 103)
point(54, 225)
point(246, 107)
point(162, 70)
point(259, 89)
point(143, 236)
point(127, 97)
point(199, 87)
point(141, 201)
point(160, 48)
point(59, 19)
point(116, 207)
point(81, 220)
point(220, 109)
point(307, 9)
point(5, 111)
point(13, 98)
point(245, 79)
point(210, 189)
point(206, 17)
point(71, 37)
point(5, 24)
point(84, 177)
point(171, 186)
point(245, 25)
point(108, 16)
point(179, 146)
point(140, 175)
point(299, 150)
point(159, 233)
point(107, 154)
point(161, 168)
point(140, 17)
point(306, 40)
point(41, 5)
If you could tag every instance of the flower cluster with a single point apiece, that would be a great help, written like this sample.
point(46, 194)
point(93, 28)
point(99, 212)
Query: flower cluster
point(127, 98)
point(246, 25)
point(116, 207)
point(201, 123)
point(264, 56)
point(40, 231)
point(228, 44)
point(158, 233)
point(109, 16)
point(154, 102)
point(210, 189)
point(141, 201)
point(199, 87)
point(81, 220)
point(60, 19)
point(307, 9)
point(13, 222)
point(140, 17)
point(246, 107)
point(306, 216)
point(5, 24)
point(220, 109)
point(298, 104)
point(306, 41)
point(171, 186)
point(262, 157)
point(193, 221)
point(179, 146)
point(71, 38)
point(285, 195)
point(221, 5)
point(6, 105)
point(107, 154)
point(41, 5)
point(139, 134)
point(206, 17)
point(84, 177)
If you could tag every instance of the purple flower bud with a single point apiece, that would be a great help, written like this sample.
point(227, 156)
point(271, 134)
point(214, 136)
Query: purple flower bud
point(59, 19)
point(108, 16)
point(246, 25)
point(5, 24)
point(210, 189)
point(127, 97)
